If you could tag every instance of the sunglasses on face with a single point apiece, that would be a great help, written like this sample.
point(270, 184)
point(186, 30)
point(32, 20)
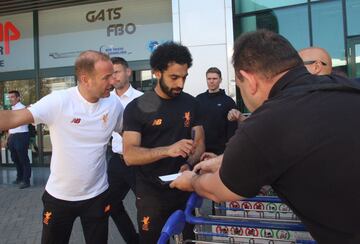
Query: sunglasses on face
point(313, 61)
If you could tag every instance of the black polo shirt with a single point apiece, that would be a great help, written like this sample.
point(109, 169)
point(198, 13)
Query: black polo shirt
point(304, 141)
point(218, 130)
point(161, 122)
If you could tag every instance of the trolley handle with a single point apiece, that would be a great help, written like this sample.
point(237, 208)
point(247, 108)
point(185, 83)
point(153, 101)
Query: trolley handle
point(173, 226)
point(263, 199)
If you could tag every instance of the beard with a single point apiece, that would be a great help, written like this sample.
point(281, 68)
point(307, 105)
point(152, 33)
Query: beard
point(120, 85)
point(170, 92)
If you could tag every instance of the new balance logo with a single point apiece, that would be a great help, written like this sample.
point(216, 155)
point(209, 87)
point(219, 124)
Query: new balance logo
point(157, 122)
point(75, 121)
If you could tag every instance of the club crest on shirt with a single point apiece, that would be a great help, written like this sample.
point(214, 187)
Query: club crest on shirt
point(146, 222)
point(47, 217)
point(187, 117)
point(105, 118)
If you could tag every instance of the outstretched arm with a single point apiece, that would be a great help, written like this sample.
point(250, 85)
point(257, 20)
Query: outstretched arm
point(14, 118)
point(205, 181)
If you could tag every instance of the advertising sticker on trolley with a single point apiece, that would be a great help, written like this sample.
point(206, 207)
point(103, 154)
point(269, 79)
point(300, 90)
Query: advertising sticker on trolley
point(257, 235)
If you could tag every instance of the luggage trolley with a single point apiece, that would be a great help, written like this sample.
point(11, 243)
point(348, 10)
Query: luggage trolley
point(260, 207)
point(235, 229)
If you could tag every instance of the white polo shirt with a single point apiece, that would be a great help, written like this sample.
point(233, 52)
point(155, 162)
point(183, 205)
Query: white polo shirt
point(79, 132)
point(125, 99)
point(21, 128)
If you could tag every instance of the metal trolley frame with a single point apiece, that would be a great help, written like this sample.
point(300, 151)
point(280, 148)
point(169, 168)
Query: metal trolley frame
point(234, 229)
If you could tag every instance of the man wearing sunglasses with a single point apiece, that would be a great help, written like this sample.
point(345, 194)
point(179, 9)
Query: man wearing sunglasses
point(317, 60)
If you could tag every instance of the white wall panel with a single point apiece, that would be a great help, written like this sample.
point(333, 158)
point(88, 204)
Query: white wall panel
point(205, 27)
point(196, 81)
point(202, 22)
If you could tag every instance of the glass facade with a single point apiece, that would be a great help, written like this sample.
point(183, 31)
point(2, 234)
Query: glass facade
point(303, 23)
point(39, 59)
point(246, 6)
point(332, 25)
point(49, 85)
point(325, 14)
point(353, 17)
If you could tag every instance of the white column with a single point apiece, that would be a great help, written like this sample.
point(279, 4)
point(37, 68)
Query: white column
point(206, 28)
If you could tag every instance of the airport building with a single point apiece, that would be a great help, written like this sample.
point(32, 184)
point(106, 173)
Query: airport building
point(39, 40)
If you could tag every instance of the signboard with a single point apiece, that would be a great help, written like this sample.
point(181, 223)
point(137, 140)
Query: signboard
point(16, 42)
point(128, 28)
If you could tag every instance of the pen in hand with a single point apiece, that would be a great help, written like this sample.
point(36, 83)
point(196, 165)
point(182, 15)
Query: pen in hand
point(189, 164)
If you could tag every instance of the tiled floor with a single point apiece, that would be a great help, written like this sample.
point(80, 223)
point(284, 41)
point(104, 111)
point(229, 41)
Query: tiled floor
point(38, 178)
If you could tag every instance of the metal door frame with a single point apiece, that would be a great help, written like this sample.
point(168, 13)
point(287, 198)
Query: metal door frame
point(351, 42)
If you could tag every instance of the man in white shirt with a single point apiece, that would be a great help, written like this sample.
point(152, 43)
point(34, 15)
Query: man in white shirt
point(18, 144)
point(81, 120)
point(121, 177)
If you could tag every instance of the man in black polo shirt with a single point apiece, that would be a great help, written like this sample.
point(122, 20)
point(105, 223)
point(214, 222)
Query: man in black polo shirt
point(162, 135)
point(302, 139)
point(215, 105)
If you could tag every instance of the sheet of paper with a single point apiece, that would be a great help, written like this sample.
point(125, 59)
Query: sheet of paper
point(167, 178)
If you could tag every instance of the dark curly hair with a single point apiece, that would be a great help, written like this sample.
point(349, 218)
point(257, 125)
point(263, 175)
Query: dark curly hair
point(170, 52)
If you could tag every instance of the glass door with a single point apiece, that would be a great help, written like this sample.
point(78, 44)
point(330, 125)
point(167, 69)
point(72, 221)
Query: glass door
point(354, 56)
point(143, 80)
point(49, 85)
point(26, 88)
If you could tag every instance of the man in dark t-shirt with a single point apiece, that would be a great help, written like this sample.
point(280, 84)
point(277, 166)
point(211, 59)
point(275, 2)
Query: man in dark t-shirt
point(162, 135)
point(215, 105)
point(293, 141)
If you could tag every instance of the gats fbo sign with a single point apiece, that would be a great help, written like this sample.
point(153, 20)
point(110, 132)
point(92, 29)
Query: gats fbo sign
point(16, 43)
point(109, 14)
point(127, 28)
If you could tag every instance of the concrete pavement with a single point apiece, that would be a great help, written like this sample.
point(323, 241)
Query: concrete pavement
point(21, 211)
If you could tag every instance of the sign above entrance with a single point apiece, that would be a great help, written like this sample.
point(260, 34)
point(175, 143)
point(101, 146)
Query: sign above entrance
point(16, 43)
point(128, 28)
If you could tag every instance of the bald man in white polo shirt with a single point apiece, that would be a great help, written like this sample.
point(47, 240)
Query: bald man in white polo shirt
point(81, 120)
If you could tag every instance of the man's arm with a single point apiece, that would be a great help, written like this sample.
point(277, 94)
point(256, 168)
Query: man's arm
point(208, 183)
point(134, 154)
point(14, 118)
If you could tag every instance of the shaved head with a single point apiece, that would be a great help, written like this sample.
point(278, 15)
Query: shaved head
point(317, 60)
